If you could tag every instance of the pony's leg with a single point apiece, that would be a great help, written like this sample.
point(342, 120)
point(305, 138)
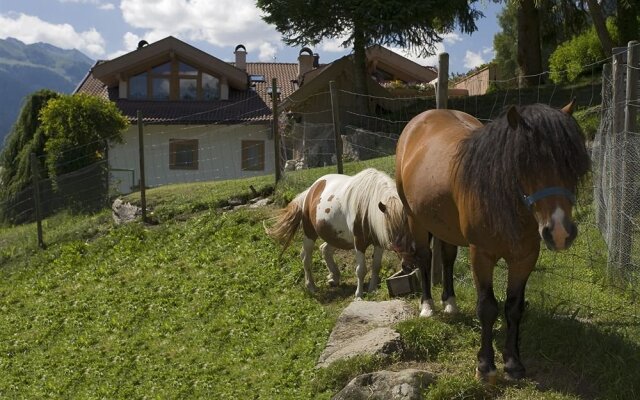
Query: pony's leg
point(327, 253)
point(449, 253)
point(518, 274)
point(307, 252)
point(361, 272)
point(423, 259)
point(375, 268)
point(482, 264)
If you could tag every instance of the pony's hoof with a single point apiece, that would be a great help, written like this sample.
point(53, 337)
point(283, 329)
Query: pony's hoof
point(490, 378)
point(333, 282)
point(450, 306)
point(513, 370)
point(427, 310)
point(358, 298)
point(312, 289)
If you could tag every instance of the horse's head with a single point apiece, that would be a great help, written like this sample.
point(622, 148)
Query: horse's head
point(550, 197)
point(551, 205)
point(397, 224)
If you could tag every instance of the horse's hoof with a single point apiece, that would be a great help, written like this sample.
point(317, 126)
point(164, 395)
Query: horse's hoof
point(427, 310)
point(490, 378)
point(333, 283)
point(450, 306)
point(513, 370)
point(358, 298)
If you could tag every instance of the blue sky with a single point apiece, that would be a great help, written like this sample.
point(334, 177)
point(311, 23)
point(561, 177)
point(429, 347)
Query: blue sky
point(104, 29)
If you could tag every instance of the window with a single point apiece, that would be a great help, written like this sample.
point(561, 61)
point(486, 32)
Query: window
point(138, 86)
point(210, 87)
point(253, 155)
point(160, 88)
point(188, 89)
point(183, 153)
point(174, 80)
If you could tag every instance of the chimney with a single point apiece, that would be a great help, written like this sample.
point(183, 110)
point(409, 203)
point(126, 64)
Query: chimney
point(316, 60)
point(241, 57)
point(305, 61)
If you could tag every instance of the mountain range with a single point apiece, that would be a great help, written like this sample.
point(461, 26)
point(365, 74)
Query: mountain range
point(26, 68)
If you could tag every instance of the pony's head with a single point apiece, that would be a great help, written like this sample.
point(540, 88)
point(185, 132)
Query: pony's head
point(549, 181)
point(397, 226)
point(526, 165)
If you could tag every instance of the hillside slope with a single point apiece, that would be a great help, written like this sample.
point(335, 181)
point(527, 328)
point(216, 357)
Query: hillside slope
point(27, 68)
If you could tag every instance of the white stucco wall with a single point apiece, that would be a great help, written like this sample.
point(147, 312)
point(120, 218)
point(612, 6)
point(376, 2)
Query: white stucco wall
point(219, 154)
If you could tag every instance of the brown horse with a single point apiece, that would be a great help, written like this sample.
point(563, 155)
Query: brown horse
point(347, 212)
point(499, 189)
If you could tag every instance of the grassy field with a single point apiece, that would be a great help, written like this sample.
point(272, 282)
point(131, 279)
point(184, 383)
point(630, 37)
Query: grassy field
point(200, 305)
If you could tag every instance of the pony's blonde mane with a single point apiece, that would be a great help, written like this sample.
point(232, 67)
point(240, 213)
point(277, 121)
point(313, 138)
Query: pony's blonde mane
point(365, 191)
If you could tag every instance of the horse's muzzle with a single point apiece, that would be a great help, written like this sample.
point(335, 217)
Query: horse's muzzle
point(559, 237)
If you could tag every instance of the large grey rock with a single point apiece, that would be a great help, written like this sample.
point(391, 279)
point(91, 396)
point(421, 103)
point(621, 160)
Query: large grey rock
point(364, 327)
point(123, 212)
point(387, 385)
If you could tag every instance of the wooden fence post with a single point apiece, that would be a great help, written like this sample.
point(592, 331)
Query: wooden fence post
point(276, 133)
point(627, 178)
point(442, 97)
point(442, 94)
point(143, 195)
point(335, 111)
point(35, 174)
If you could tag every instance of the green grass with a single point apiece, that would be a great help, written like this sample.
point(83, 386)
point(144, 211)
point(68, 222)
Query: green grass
point(200, 305)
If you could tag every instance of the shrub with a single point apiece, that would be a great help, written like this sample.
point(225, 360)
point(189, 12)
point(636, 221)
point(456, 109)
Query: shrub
point(568, 60)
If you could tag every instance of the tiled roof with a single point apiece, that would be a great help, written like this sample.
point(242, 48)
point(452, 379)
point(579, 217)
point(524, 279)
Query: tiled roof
point(252, 105)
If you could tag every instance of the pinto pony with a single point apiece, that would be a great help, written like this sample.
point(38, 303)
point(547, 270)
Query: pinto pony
point(499, 189)
point(347, 212)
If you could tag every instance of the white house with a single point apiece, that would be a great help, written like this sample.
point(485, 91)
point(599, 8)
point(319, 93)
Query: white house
point(203, 118)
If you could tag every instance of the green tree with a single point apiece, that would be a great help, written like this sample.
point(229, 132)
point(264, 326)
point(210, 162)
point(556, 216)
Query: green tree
point(26, 137)
point(413, 25)
point(77, 127)
point(516, 50)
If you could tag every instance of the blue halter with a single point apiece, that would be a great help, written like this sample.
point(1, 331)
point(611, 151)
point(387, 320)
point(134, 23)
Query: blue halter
point(546, 192)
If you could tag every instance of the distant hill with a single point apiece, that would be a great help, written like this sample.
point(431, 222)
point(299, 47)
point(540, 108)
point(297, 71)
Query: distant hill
point(27, 68)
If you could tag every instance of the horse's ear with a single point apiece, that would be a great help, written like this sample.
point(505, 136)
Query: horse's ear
point(513, 117)
point(382, 207)
point(569, 107)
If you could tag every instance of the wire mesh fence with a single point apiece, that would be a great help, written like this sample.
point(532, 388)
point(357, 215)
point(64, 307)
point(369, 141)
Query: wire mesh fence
point(368, 128)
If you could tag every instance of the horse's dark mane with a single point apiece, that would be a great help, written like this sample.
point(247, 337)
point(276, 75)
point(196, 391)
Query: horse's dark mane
point(495, 159)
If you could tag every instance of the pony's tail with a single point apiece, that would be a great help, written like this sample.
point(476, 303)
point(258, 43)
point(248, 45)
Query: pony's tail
point(286, 223)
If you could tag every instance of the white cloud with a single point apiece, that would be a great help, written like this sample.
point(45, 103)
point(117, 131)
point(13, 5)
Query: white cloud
point(107, 6)
point(267, 52)
point(334, 45)
point(220, 23)
point(472, 60)
point(452, 38)
point(30, 29)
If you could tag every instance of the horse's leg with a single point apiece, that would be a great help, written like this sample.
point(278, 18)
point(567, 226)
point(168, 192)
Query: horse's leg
point(482, 264)
point(423, 259)
point(518, 273)
point(449, 253)
point(307, 252)
point(375, 268)
point(361, 272)
point(327, 253)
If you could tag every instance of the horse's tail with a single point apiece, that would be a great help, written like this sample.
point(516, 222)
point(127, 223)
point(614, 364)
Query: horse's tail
point(286, 223)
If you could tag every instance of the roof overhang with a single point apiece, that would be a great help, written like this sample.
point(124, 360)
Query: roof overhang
point(110, 72)
point(400, 66)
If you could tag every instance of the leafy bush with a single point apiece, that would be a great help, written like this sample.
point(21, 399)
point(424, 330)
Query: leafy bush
point(567, 61)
